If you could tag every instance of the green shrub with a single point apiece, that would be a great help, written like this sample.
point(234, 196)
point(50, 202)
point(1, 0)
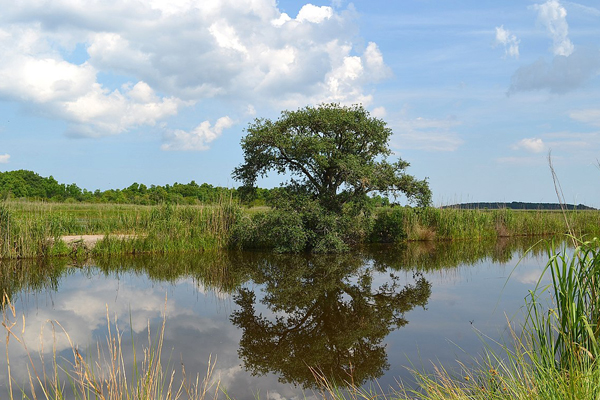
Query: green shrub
point(389, 226)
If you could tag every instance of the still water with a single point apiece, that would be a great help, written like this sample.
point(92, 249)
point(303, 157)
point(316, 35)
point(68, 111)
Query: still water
point(264, 319)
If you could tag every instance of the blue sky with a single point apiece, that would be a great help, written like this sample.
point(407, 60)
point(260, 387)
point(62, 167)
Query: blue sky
point(107, 93)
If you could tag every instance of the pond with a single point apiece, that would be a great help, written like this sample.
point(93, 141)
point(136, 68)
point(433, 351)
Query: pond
point(262, 320)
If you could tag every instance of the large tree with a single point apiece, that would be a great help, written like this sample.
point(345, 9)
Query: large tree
point(336, 154)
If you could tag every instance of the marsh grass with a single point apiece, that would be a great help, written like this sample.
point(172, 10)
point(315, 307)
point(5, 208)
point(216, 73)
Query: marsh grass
point(394, 224)
point(568, 334)
point(103, 376)
point(29, 230)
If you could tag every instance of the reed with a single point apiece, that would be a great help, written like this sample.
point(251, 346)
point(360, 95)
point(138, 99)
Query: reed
point(34, 229)
point(404, 223)
point(29, 230)
point(568, 334)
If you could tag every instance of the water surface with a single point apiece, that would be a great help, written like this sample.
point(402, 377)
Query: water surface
point(265, 318)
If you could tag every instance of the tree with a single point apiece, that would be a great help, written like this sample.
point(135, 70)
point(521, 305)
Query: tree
point(335, 154)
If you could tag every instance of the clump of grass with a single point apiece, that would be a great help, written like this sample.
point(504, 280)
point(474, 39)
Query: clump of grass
point(568, 334)
point(104, 376)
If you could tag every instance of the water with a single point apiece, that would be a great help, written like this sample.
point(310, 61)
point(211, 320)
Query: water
point(263, 318)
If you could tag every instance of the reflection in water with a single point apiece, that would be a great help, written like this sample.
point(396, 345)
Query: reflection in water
point(335, 313)
point(327, 317)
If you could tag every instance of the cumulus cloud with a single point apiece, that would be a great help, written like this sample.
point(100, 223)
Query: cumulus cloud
point(4, 158)
point(533, 145)
point(33, 74)
point(175, 54)
point(553, 16)
point(314, 14)
point(563, 74)
point(508, 40)
point(427, 134)
point(198, 138)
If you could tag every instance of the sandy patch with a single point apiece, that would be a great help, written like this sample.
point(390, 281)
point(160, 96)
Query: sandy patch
point(90, 240)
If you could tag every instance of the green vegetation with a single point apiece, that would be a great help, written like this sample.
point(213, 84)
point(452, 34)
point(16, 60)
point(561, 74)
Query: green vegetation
point(28, 185)
point(395, 224)
point(30, 230)
point(518, 205)
point(335, 157)
point(34, 229)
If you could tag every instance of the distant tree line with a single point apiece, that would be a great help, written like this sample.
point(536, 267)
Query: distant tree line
point(517, 205)
point(28, 185)
point(23, 184)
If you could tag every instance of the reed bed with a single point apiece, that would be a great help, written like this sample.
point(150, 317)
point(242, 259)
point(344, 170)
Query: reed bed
point(30, 230)
point(405, 223)
point(34, 229)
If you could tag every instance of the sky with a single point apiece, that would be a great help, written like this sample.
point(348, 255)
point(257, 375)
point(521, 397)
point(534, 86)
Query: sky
point(478, 93)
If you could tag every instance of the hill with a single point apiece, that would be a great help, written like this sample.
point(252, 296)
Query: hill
point(517, 205)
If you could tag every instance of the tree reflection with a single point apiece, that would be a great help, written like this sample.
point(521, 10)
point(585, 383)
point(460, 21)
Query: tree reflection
point(328, 314)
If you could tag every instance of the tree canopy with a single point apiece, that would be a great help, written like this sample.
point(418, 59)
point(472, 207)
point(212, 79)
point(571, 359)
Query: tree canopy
point(337, 154)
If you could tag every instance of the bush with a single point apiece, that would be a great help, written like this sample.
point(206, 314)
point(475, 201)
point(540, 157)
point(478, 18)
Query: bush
point(388, 226)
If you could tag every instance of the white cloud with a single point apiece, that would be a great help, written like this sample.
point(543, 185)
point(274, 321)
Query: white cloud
point(33, 74)
point(379, 112)
point(508, 40)
point(4, 158)
point(584, 9)
point(314, 14)
point(250, 110)
point(533, 145)
point(553, 16)
point(197, 139)
point(226, 36)
point(176, 53)
point(589, 116)
point(427, 134)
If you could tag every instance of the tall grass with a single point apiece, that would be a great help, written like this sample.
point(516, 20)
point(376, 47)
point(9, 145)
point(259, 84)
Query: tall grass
point(29, 230)
point(176, 229)
point(568, 335)
point(405, 223)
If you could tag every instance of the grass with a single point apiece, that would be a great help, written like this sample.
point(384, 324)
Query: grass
point(405, 223)
point(34, 229)
point(29, 230)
